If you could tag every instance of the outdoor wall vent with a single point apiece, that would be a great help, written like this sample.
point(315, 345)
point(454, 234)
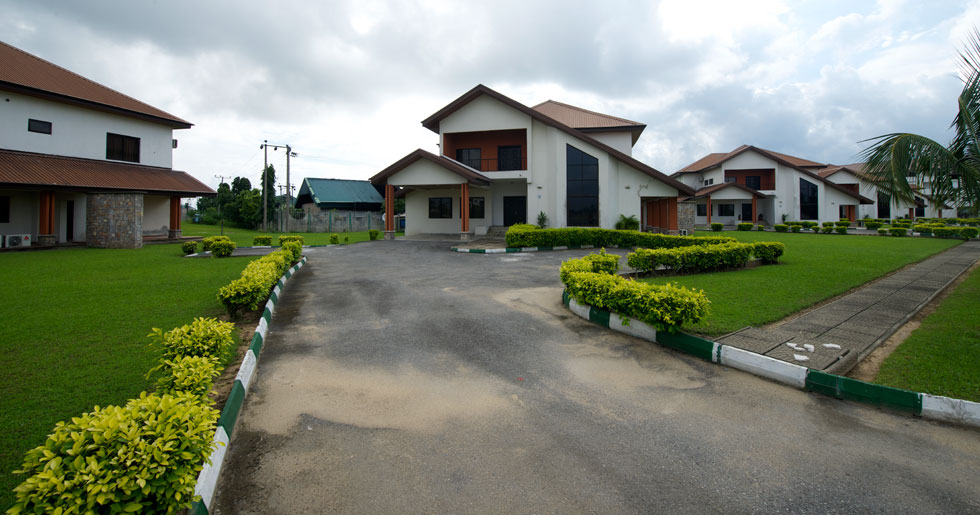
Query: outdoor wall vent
point(173, 143)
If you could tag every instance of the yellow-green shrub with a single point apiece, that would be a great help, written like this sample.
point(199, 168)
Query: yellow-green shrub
point(142, 457)
point(291, 237)
point(600, 263)
point(262, 240)
point(188, 247)
point(526, 235)
point(666, 307)
point(207, 242)
point(222, 248)
point(205, 337)
point(294, 247)
point(255, 283)
point(189, 374)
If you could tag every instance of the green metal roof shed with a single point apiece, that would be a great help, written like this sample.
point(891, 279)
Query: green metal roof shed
point(339, 194)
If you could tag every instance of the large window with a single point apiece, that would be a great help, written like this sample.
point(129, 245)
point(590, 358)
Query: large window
point(476, 207)
point(469, 157)
point(4, 210)
point(440, 207)
point(808, 200)
point(884, 205)
point(38, 126)
point(726, 209)
point(753, 181)
point(920, 210)
point(122, 148)
point(702, 210)
point(509, 158)
point(582, 175)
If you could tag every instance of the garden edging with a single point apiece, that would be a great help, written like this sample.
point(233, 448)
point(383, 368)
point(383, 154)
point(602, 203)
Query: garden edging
point(925, 405)
point(207, 480)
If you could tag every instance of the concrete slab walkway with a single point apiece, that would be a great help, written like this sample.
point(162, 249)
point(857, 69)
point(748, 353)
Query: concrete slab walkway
point(835, 336)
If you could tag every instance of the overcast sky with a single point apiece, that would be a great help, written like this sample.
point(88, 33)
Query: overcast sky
point(346, 83)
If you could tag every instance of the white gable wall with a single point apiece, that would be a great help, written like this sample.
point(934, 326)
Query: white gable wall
point(485, 114)
point(424, 173)
point(619, 140)
point(76, 131)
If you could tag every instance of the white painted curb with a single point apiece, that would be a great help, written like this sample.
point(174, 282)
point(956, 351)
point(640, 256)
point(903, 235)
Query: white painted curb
point(779, 371)
point(581, 310)
point(207, 480)
point(630, 326)
point(247, 370)
point(950, 410)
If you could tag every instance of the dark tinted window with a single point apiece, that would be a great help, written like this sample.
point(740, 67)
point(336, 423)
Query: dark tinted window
point(509, 158)
point(808, 200)
point(582, 182)
point(702, 210)
point(122, 148)
point(469, 157)
point(39, 126)
point(4, 210)
point(753, 181)
point(884, 205)
point(726, 209)
point(440, 207)
point(476, 207)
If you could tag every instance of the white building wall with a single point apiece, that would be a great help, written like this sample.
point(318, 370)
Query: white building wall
point(76, 131)
point(424, 173)
point(61, 216)
point(417, 219)
point(619, 140)
point(24, 211)
point(484, 114)
point(502, 189)
point(156, 214)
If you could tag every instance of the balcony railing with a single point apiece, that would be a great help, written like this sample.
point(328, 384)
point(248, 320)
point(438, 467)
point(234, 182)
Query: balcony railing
point(496, 165)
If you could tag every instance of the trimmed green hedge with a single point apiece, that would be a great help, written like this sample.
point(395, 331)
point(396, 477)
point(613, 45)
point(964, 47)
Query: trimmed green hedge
point(969, 232)
point(897, 231)
point(257, 280)
point(222, 248)
point(207, 242)
point(262, 240)
point(665, 307)
point(188, 247)
point(780, 227)
point(872, 225)
point(745, 226)
point(290, 237)
point(526, 235)
point(760, 227)
point(203, 337)
point(704, 259)
point(373, 234)
point(717, 227)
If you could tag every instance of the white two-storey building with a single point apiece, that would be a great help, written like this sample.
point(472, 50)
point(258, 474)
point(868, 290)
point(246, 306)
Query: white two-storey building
point(501, 163)
point(80, 162)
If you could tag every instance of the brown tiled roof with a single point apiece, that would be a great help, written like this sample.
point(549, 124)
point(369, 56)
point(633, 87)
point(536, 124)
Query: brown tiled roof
point(588, 121)
point(703, 192)
point(26, 73)
point(471, 175)
point(432, 123)
point(797, 161)
point(856, 169)
point(706, 162)
point(20, 169)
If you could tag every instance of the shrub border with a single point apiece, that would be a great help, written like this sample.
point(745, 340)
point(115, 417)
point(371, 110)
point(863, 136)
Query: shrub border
point(928, 406)
point(207, 480)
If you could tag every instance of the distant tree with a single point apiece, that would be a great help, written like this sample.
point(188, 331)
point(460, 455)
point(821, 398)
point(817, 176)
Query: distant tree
point(953, 171)
point(248, 209)
point(269, 176)
point(240, 184)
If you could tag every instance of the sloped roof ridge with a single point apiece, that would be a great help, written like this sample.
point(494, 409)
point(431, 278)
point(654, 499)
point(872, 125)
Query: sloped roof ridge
point(8, 74)
point(584, 110)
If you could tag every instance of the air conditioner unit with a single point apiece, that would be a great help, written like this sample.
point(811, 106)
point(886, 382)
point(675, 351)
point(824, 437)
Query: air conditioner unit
point(16, 240)
point(682, 232)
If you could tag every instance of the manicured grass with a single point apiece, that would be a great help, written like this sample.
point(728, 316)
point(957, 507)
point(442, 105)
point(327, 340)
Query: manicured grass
point(942, 356)
point(815, 267)
point(74, 332)
point(243, 237)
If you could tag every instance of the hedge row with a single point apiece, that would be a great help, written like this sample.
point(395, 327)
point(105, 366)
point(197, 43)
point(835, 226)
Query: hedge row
point(142, 457)
point(666, 307)
point(258, 279)
point(526, 235)
point(704, 258)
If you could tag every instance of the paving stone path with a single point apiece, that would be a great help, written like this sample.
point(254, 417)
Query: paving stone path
point(835, 336)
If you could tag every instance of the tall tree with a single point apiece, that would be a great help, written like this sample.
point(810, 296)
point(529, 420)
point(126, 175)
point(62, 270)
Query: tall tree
point(240, 184)
point(269, 177)
point(952, 172)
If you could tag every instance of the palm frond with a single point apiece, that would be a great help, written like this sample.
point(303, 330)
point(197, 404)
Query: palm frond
point(892, 159)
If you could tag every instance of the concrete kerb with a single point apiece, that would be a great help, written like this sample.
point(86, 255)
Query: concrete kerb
point(207, 480)
point(509, 250)
point(927, 406)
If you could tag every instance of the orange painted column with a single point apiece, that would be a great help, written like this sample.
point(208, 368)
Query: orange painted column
point(940, 211)
point(46, 218)
point(672, 213)
point(755, 215)
point(464, 208)
point(389, 207)
point(174, 213)
point(912, 213)
point(709, 209)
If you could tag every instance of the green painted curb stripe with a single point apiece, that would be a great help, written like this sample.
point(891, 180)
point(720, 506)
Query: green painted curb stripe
point(697, 347)
point(288, 274)
point(274, 297)
point(716, 359)
point(852, 389)
point(478, 251)
point(256, 344)
point(574, 247)
point(267, 315)
point(599, 316)
point(232, 406)
point(544, 248)
point(565, 297)
point(198, 508)
point(512, 249)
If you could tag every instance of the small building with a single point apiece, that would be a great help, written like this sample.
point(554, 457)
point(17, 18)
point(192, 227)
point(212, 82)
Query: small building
point(338, 205)
point(502, 163)
point(80, 162)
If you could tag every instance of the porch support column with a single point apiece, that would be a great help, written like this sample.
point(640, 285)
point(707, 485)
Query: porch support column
point(389, 212)
point(940, 211)
point(755, 208)
point(45, 228)
point(174, 231)
point(464, 211)
point(709, 210)
point(912, 213)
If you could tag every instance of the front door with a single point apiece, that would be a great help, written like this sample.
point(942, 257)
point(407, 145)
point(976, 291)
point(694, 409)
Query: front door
point(747, 212)
point(515, 210)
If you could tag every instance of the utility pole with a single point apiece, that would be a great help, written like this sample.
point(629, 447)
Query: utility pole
point(289, 153)
point(265, 203)
point(282, 213)
point(218, 198)
point(289, 193)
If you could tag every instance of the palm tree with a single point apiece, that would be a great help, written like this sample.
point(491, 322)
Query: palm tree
point(952, 172)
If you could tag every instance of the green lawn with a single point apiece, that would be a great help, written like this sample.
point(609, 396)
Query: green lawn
point(243, 237)
point(942, 356)
point(815, 267)
point(74, 332)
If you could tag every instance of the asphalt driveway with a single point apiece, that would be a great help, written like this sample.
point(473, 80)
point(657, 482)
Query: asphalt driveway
point(398, 377)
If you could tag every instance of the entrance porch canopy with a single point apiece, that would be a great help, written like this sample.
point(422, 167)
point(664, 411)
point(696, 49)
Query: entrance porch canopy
point(422, 169)
point(730, 191)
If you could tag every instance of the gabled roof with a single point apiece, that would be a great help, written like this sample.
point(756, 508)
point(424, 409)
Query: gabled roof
point(855, 169)
point(777, 157)
point(588, 121)
point(432, 123)
point(28, 74)
point(472, 176)
point(29, 169)
point(325, 191)
point(704, 192)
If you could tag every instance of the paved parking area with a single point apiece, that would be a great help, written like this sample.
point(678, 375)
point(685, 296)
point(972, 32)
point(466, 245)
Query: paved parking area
point(398, 377)
point(835, 336)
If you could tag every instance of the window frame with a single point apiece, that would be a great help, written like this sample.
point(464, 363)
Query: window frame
point(39, 126)
point(518, 165)
point(468, 161)
point(757, 179)
point(444, 202)
point(126, 148)
point(482, 208)
point(721, 211)
point(575, 181)
point(701, 209)
point(806, 207)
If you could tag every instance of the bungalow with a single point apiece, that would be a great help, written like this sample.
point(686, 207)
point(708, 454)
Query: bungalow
point(501, 163)
point(750, 184)
point(80, 162)
point(852, 177)
point(338, 205)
